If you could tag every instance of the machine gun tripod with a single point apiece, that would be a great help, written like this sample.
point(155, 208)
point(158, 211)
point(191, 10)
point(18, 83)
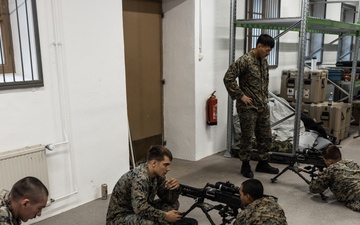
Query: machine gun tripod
point(307, 156)
point(225, 193)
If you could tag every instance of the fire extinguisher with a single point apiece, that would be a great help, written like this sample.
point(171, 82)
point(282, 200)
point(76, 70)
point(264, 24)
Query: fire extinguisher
point(211, 110)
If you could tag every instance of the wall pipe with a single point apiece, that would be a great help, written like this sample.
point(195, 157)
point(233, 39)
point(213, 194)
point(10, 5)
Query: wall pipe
point(63, 92)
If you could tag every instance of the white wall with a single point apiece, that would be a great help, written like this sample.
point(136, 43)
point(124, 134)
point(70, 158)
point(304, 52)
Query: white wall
point(212, 23)
point(179, 74)
point(189, 25)
point(82, 103)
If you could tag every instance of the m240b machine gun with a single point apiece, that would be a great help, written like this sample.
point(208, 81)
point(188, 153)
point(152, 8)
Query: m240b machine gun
point(226, 193)
point(311, 157)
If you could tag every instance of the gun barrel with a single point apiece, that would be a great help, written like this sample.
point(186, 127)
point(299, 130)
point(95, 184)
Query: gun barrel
point(191, 191)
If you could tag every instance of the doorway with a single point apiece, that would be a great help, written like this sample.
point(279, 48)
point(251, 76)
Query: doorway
point(143, 64)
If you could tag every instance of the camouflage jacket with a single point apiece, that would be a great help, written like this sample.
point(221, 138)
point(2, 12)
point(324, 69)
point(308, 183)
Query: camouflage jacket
point(262, 211)
point(135, 192)
point(343, 179)
point(253, 75)
point(6, 216)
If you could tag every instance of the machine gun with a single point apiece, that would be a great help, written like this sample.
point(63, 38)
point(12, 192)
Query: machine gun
point(311, 157)
point(226, 193)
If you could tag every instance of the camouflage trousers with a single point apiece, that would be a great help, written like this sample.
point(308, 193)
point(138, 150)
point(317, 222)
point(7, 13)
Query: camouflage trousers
point(354, 204)
point(254, 122)
point(134, 219)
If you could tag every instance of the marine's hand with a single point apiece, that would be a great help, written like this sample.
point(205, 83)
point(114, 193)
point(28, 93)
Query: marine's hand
point(173, 216)
point(245, 99)
point(172, 184)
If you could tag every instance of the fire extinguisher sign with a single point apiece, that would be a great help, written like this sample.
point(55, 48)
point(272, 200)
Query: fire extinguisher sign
point(211, 110)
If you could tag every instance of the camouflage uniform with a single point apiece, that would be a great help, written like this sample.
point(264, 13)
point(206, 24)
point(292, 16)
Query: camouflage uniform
point(262, 211)
point(343, 179)
point(6, 216)
point(253, 76)
point(133, 199)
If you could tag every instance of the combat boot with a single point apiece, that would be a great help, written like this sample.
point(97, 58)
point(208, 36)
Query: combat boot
point(246, 169)
point(264, 167)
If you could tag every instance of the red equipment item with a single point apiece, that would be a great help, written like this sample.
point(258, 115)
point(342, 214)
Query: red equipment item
point(211, 110)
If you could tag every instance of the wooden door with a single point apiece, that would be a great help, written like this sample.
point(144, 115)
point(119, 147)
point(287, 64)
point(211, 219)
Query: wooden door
point(143, 64)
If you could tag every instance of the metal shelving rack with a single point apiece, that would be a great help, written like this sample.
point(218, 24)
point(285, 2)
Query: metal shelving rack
point(302, 24)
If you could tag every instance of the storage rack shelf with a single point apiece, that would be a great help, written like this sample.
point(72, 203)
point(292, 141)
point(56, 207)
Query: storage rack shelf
point(303, 24)
point(313, 25)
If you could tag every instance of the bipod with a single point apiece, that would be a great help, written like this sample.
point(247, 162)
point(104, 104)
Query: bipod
point(224, 212)
point(292, 167)
point(206, 208)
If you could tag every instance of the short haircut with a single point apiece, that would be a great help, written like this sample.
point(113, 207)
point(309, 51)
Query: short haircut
point(266, 40)
point(331, 152)
point(31, 188)
point(158, 152)
point(254, 188)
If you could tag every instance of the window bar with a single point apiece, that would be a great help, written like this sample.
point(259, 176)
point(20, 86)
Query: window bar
point(2, 60)
point(37, 40)
point(20, 46)
point(2, 57)
point(28, 32)
point(11, 53)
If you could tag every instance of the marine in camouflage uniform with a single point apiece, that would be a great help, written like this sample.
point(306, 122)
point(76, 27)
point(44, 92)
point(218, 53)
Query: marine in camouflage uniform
point(251, 95)
point(6, 215)
point(143, 196)
point(343, 179)
point(257, 207)
point(262, 211)
point(133, 199)
point(25, 201)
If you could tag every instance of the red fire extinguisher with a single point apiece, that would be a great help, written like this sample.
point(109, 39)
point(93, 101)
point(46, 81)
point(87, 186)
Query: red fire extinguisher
point(211, 110)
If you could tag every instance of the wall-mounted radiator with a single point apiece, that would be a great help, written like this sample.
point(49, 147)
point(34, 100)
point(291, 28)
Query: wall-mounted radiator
point(19, 163)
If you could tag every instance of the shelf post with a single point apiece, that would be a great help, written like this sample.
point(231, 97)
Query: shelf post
point(300, 78)
point(231, 61)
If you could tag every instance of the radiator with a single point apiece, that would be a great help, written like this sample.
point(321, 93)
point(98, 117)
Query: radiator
point(19, 163)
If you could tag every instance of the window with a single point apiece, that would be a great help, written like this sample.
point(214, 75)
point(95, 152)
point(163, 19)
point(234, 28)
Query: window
point(19, 45)
point(345, 44)
point(261, 9)
point(315, 41)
